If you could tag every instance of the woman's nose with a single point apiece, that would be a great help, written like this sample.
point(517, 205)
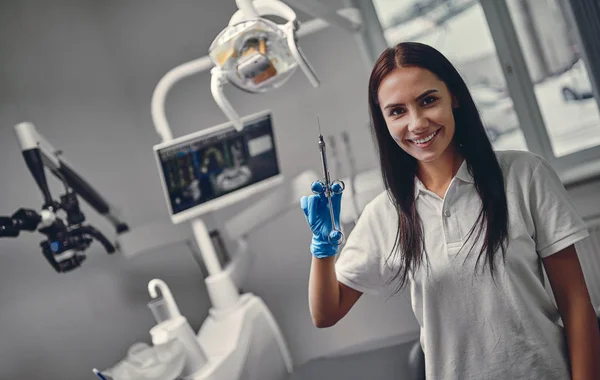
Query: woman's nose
point(418, 123)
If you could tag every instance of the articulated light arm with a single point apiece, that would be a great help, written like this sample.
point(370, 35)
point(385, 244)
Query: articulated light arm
point(217, 81)
point(247, 8)
point(163, 87)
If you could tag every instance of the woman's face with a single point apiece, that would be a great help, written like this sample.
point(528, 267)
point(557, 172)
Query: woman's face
point(417, 107)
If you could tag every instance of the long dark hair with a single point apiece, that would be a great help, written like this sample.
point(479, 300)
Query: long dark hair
point(399, 169)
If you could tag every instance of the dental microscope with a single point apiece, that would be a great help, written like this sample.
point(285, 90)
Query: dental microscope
point(65, 242)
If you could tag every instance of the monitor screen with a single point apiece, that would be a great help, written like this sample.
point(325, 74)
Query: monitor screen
point(216, 167)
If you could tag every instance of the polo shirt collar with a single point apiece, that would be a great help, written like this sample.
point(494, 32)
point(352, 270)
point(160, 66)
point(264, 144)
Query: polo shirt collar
point(462, 174)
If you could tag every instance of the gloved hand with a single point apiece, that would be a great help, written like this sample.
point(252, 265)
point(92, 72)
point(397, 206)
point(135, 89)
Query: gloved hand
point(316, 211)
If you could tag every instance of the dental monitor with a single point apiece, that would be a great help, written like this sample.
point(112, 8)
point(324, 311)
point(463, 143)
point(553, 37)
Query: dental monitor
point(216, 167)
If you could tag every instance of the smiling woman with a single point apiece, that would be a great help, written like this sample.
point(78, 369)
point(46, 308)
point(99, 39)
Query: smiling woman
point(468, 228)
point(414, 93)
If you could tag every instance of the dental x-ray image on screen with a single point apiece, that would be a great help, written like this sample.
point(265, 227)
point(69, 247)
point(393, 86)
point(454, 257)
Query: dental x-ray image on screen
point(215, 167)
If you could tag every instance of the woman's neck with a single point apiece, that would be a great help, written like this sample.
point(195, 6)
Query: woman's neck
point(437, 175)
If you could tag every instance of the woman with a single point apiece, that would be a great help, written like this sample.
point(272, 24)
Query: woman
point(467, 228)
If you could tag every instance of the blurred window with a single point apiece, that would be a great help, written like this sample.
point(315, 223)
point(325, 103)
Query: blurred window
point(563, 89)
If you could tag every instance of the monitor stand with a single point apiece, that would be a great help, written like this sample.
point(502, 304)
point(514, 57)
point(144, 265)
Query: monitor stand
point(236, 323)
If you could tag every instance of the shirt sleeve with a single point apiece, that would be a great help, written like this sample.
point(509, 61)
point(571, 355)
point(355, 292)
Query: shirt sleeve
point(359, 263)
point(557, 223)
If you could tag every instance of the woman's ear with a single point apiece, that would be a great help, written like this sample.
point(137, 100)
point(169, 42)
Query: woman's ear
point(454, 102)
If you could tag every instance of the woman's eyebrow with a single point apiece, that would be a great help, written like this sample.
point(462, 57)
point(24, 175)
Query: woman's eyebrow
point(431, 91)
point(423, 95)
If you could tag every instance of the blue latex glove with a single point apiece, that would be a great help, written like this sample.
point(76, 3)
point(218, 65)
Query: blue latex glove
point(316, 211)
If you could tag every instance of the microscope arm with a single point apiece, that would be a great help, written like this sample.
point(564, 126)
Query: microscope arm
point(38, 153)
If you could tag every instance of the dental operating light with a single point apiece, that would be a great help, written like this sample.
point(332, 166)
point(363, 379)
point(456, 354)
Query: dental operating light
point(256, 54)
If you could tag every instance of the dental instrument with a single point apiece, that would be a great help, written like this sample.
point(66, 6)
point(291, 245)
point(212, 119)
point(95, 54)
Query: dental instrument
point(65, 241)
point(336, 236)
point(99, 374)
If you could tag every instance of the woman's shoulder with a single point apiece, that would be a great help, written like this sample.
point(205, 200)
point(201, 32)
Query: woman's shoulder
point(380, 204)
point(379, 209)
point(518, 164)
point(379, 220)
point(518, 157)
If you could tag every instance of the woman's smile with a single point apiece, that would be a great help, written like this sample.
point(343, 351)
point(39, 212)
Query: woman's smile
point(426, 141)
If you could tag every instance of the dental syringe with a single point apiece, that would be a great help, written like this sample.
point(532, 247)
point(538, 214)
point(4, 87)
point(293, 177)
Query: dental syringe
point(336, 236)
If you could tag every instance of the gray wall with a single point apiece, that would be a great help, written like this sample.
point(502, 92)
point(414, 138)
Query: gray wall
point(84, 72)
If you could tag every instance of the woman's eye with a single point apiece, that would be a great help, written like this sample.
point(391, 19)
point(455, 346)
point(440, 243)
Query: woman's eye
point(396, 112)
point(428, 100)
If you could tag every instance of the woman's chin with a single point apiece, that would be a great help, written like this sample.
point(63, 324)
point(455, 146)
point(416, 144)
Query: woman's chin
point(422, 155)
point(427, 157)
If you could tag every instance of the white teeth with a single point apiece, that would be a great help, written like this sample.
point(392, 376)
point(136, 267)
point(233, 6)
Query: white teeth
point(425, 139)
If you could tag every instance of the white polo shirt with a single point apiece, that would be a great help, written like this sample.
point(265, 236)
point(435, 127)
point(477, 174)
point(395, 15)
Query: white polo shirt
point(472, 328)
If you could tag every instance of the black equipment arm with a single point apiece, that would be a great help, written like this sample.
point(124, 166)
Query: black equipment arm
point(65, 243)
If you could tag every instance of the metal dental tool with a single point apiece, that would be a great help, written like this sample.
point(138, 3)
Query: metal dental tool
point(336, 236)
